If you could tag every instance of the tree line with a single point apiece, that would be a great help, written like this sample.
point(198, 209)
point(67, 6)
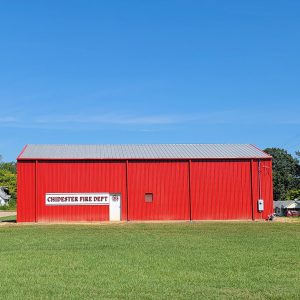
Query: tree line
point(286, 175)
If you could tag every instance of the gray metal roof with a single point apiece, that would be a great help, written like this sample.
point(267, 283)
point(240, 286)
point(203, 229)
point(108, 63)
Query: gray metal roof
point(142, 151)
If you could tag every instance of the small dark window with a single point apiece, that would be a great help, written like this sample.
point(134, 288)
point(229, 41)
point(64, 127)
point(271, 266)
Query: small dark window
point(149, 197)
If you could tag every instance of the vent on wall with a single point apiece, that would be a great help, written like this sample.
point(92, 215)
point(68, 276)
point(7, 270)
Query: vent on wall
point(148, 197)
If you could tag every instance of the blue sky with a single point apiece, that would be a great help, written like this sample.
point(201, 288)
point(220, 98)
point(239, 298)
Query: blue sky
point(149, 72)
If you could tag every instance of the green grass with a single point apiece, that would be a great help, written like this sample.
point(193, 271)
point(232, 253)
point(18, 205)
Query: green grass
point(8, 218)
point(11, 205)
point(210, 260)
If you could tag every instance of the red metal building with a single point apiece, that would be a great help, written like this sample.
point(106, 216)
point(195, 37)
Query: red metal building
point(58, 183)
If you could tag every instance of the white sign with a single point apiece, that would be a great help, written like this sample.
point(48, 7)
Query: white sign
point(55, 199)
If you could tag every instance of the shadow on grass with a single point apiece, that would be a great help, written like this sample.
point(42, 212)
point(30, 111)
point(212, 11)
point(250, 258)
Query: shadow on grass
point(8, 219)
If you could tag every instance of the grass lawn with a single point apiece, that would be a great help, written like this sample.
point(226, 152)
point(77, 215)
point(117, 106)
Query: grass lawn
point(8, 218)
point(209, 260)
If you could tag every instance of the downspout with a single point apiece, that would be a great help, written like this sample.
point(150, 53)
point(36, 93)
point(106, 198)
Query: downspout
point(259, 179)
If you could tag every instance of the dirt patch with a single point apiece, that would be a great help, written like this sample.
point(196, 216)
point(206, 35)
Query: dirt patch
point(287, 220)
point(7, 213)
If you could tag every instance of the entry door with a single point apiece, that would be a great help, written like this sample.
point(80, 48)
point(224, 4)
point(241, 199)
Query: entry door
point(115, 207)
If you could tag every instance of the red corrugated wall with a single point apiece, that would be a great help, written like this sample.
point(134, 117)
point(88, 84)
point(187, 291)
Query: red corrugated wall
point(221, 190)
point(26, 191)
point(79, 177)
point(262, 187)
point(168, 181)
point(215, 189)
point(229, 189)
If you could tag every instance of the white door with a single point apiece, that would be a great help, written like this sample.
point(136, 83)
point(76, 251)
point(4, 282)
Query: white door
point(115, 207)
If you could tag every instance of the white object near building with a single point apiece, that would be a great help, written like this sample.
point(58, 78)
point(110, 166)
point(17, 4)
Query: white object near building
point(4, 197)
point(115, 207)
point(260, 205)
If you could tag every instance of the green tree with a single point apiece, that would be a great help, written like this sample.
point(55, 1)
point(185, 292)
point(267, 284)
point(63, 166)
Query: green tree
point(8, 166)
point(295, 193)
point(285, 172)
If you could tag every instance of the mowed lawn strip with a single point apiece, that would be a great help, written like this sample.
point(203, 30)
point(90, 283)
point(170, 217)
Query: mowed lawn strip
point(212, 260)
point(8, 218)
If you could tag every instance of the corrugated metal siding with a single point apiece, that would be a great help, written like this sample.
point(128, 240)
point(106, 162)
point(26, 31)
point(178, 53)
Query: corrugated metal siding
point(168, 181)
point(26, 191)
point(79, 177)
point(147, 151)
point(266, 187)
point(221, 190)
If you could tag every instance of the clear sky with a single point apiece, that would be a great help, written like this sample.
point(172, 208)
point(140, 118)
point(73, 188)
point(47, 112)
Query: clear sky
point(149, 72)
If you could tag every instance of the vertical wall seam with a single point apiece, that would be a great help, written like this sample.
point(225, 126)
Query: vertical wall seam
point(189, 183)
point(252, 195)
point(36, 195)
point(127, 193)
